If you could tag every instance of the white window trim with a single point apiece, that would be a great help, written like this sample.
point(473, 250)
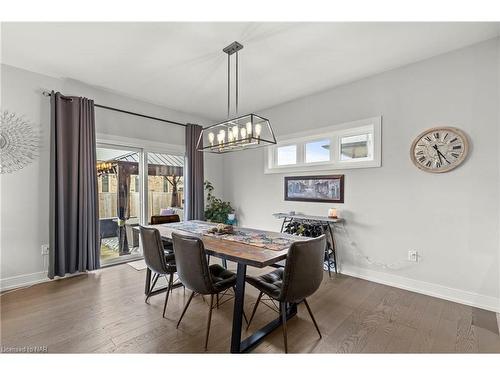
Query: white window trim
point(333, 133)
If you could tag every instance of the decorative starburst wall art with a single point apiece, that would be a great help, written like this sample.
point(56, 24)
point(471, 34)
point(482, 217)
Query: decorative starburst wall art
point(18, 142)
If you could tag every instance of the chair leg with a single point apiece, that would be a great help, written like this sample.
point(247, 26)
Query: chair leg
point(185, 308)
point(169, 290)
point(155, 279)
point(209, 320)
point(329, 262)
point(254, 309)
point(312, 317)
point(283, 323)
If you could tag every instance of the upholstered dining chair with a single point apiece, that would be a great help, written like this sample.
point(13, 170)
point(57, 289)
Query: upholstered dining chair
point(300, 278)
point(165, 219)
point(159, 262)
point(195, 273)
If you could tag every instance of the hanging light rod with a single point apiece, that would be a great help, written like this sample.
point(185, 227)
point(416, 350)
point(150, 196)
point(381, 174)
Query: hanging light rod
point(239, 133)
point(231, 49)
point(47, 93)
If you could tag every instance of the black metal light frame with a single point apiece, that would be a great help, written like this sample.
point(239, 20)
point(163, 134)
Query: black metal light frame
point(248, 142)
point(239, 144)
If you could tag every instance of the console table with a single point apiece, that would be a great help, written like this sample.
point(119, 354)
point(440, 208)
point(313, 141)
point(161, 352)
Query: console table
point(323, 222)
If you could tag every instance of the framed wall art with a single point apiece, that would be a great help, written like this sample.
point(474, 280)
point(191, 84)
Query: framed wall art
point(328, 189)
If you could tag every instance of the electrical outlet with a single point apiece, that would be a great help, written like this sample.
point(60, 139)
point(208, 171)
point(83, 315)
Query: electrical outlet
point(45, 249)
point(413, 256)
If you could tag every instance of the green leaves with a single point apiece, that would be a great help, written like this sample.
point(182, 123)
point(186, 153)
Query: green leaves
point(216, 210)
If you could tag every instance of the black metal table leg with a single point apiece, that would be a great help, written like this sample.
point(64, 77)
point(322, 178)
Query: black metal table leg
point(148, 281)
point(252, 341)
point(238, 346)
point(239, 300)
point(147, 286)
point(283, 225)
point(334, 247)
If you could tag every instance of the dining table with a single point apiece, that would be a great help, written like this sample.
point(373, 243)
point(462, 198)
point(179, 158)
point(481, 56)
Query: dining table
point(246, 247)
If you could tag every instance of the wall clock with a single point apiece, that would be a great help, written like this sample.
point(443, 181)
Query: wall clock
point(439, 150)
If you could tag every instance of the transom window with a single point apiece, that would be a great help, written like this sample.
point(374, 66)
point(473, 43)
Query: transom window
point(286, 155)
point(317, 151)
point(355, 144)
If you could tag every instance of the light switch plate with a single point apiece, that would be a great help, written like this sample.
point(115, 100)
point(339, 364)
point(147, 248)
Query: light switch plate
point(413, 256)
point(45, 249)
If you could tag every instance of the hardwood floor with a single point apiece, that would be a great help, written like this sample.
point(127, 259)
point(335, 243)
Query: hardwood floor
point(104, 312)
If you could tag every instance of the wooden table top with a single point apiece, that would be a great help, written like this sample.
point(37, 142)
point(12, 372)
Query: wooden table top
point(232, 250)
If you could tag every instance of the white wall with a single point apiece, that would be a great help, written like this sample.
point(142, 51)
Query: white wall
point(25, 194)
point(452, 219)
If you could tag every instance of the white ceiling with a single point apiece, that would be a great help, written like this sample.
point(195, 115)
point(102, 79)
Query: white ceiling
point(182, 66)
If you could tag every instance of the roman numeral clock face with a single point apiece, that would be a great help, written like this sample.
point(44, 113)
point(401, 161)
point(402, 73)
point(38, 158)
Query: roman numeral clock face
point(439, 150)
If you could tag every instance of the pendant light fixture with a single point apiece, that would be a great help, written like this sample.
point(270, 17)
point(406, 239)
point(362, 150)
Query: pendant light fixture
point(241, 132)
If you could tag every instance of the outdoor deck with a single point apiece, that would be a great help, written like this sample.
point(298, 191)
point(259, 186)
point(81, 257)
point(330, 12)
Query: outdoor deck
point(110, 251)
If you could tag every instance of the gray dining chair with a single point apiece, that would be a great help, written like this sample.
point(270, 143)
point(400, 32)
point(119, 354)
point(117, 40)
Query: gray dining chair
point(165, 219)
point(159, 262)
point(195, 273)
point(301, 277)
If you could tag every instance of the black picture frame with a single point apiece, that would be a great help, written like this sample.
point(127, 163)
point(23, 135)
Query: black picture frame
point(321, 197)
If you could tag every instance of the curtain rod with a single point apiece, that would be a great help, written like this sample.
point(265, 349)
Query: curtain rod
point(46, 93)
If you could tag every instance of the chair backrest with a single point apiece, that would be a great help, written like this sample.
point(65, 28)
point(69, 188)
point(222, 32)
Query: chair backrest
point(192, 265)
point(152, 248)
point(164, 219)
point(303, 271)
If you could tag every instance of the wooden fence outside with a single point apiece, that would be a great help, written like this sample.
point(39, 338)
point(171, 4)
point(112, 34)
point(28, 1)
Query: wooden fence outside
point(156, 201)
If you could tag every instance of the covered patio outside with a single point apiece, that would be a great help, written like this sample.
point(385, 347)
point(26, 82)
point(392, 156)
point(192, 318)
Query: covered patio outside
point(120, 201)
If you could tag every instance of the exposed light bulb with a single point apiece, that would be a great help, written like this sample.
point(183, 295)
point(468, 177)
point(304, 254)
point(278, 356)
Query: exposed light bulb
point(249, 128)
point(235, 132)
point(211, 137)
point(243, 133)
point(258, 129)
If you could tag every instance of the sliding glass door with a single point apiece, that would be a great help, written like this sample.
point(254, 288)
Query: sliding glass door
point(119, 176)
point(165, 184)
point(128, 196)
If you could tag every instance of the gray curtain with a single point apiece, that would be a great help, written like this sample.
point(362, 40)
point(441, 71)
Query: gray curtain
point(74, 221)
point(193, 186)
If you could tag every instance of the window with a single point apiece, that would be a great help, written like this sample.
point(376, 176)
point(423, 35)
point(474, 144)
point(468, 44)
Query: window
point(318, 151)
point(286, 155)
point(356, 144)
point(165, 183)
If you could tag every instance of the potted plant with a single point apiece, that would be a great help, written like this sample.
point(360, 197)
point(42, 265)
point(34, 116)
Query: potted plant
point(216, 209)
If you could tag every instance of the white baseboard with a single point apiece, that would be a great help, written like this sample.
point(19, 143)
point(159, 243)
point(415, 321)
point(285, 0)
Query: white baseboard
point(423, 287)
point(23, 280)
